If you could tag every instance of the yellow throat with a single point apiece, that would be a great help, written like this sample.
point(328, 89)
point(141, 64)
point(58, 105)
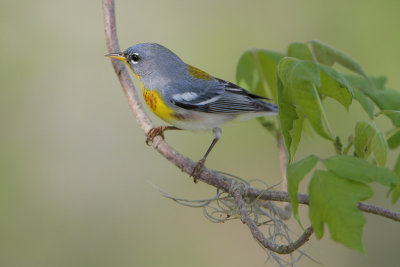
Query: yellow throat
point(154, 101)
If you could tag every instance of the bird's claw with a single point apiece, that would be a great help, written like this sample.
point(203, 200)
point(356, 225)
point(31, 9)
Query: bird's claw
point(153, 132)
point(197, 169)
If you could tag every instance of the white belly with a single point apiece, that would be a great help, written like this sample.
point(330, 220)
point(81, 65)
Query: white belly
point(200, 121)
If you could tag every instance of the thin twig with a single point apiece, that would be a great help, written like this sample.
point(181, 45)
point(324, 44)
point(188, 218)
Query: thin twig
point(368, 208)
point(304, 199)
point(283, 156)
point(284, 160)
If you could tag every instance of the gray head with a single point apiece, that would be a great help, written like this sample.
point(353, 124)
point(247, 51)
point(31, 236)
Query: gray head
point(150, 58)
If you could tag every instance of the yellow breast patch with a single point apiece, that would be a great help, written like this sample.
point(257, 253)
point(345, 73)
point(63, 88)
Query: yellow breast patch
point(197, 73)
point(157, 105)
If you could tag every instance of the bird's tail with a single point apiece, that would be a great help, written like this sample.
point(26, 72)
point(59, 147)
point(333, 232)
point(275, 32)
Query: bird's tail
point(268, 107)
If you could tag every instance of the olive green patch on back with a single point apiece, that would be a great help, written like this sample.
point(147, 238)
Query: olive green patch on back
point(199, 74)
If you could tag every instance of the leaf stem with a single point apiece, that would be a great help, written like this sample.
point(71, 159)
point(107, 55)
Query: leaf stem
point(324, 117)
point(349, 145)
point(392, 133)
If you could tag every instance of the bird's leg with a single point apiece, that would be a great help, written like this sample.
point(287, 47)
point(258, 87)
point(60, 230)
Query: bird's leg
point(200, 165)
point(153, 132)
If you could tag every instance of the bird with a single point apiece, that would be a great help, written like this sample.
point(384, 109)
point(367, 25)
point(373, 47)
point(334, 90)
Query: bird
point(188, 98)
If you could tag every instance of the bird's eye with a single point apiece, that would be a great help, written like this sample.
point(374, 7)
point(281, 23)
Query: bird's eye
point(135, 58)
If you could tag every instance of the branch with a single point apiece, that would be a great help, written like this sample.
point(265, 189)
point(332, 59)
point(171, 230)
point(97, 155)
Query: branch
point(258, 235)
point(284, 160)
point(304, 199)
point(185, 164)
point(283, 156)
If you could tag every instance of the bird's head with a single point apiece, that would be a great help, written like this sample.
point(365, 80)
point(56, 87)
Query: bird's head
point(150, 59)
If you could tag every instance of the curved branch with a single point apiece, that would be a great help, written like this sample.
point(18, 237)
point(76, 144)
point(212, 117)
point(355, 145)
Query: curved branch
point(184, 163)
point(258, 235)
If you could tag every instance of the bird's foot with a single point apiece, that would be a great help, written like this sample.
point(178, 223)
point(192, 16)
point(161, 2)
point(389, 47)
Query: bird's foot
point(197, 169)
point(153, 132)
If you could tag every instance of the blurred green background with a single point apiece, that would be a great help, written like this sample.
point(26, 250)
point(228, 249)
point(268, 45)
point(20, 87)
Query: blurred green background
point(74, 168)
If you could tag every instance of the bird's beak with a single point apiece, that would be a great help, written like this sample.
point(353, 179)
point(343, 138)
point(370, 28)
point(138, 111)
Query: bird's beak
point(117, 55)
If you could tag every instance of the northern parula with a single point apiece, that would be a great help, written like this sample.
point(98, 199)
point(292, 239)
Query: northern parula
point(187, 97)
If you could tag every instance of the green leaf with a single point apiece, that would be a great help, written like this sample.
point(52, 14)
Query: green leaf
point(295, 174)
point(300, 51)
point(369, 139)
point(364, 84)
point(333, 201)
point(396, 194)
point(396, 189)
point(284, 66)
point(397, 166)
point(364, 133)
point(298, 98)
point(307, 101)
point(388, 112)
point(365, 102)
point(335, 85)
point(301, 79)
point(359, 170)
point(287, 111)
point(379, 82)
point(379, 148)
point(303, 71)
point(256, 72)
point(387, 100)
point(328, 55)
point(291, 131)
point(295, 133)
point(394, 141)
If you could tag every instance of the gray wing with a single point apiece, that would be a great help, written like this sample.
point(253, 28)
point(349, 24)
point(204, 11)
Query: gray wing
point(217, 96)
